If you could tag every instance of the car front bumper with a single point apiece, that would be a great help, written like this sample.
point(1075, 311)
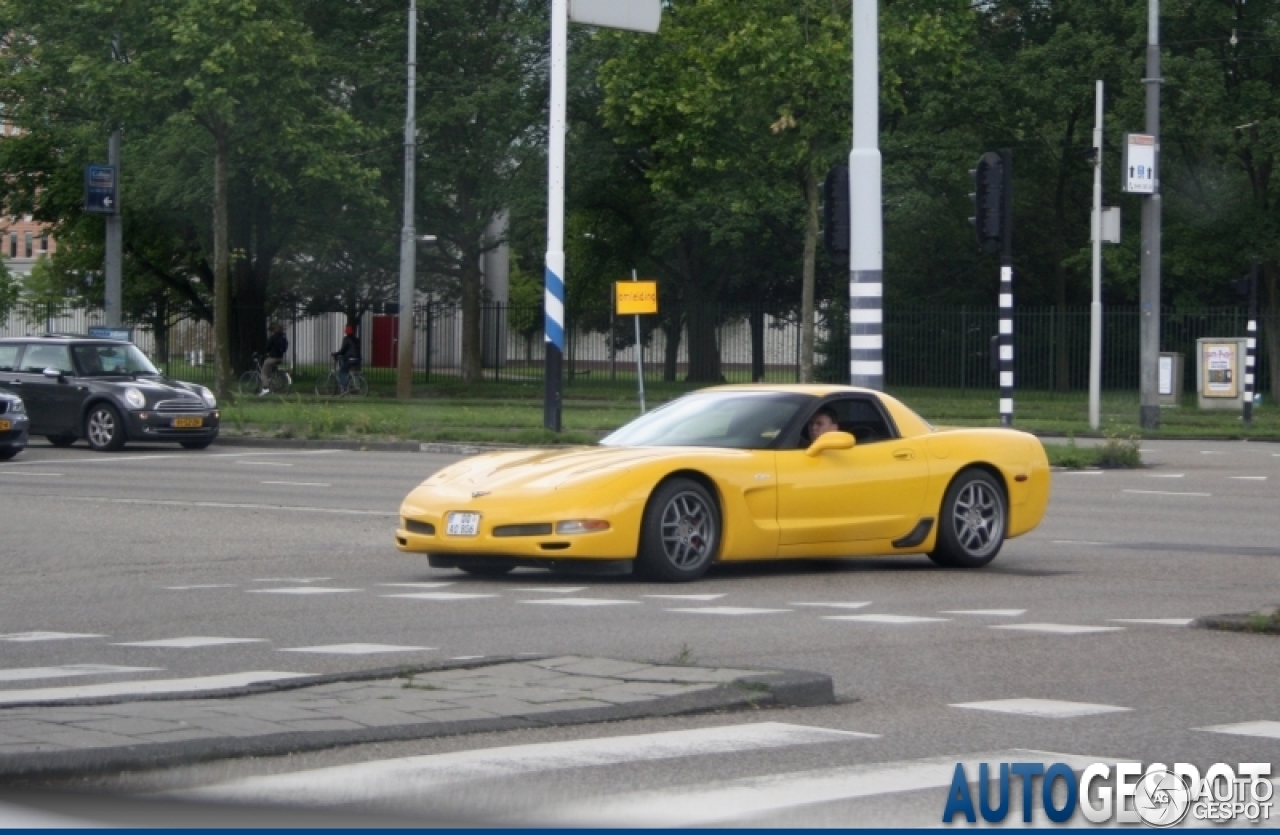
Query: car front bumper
point(17, 434)
point(147, 425)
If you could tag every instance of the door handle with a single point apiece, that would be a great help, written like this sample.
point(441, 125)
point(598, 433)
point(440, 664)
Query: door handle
point(904, 454)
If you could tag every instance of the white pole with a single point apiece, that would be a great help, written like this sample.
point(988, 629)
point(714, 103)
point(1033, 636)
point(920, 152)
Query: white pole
point(866, 256)
point(408, 244)
point(1095, 307)
point(553, 294)
point(639, 353)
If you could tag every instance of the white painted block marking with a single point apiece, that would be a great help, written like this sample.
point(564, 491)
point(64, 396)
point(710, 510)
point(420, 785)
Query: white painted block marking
point(1164, 493)
point(357, 649)
point(996, 613)
point(1165, 475)
point(729, 610)
point(30, 473)
point(441, 595)
point(138, 688)
point(22, 637)
point(556, 589)
point(853, 604)
point(415, 585)
point(201, 586)
point(702, 597)
point(1265, 728)
point(409, 776)
point(191, 642)
point(1058, 628)
point(1155, 621)
point(292, 579)
point(70, 670)
point(751, 797)
point(1211, 452)
point(1248, 478)
point(302, 590)
point(582, 601)
point(465, 657)
point(1042, 708)
point(893, 619)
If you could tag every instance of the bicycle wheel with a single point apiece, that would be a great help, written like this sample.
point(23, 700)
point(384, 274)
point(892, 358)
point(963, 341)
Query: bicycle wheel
point(250, 382)
point(328, 387)
point(359, 386)
point(280, 381)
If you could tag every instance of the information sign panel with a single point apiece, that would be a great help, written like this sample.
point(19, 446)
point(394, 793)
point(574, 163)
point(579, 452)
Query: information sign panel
point(635, 297)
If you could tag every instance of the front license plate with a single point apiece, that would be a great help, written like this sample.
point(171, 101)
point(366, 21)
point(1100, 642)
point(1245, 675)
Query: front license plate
point(462, 524)
point(5, 425)
point(188, 423)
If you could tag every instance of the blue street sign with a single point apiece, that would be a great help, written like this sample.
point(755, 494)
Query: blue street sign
point(100, 189)
point(123, 334)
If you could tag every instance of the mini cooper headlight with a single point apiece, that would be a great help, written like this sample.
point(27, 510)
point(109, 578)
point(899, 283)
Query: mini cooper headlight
point(134, 398)
point(582, 526)
point(18, 407)
point(209, 399)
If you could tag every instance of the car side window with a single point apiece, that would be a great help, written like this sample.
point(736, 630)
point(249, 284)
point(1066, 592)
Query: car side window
point(9, 357)
point(39, 357)
point(860, 417)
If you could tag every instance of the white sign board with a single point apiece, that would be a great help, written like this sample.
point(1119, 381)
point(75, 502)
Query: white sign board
point(635, 15)
point(1140, 163)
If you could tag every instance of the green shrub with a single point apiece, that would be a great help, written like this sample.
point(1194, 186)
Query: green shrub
point(1119, 453)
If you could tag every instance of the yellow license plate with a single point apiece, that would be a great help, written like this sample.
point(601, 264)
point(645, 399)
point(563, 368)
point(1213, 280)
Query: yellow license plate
point(188, 423)
point(5, 425)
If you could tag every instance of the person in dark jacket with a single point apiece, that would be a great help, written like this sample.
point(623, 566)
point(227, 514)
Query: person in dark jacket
point(348, 356)
point(277, 344)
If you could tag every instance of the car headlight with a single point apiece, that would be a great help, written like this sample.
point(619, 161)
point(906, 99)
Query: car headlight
point(18, 407)
point(134, 398)
point(582, 526)
point(209, 399)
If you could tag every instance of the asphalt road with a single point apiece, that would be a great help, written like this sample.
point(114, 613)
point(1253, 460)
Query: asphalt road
point(290, 552)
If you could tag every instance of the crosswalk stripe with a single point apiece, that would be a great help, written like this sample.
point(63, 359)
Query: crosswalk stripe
point(137, 688)
point(69, 670)
point(731, 800)
point(392, 778)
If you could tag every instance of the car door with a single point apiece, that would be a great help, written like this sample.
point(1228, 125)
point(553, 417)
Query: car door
point(874, 491)
point(52, 402)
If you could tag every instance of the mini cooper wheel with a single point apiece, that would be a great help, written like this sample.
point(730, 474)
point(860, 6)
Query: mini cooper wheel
point(103, 428)
point(972, 523)
point(680, 534)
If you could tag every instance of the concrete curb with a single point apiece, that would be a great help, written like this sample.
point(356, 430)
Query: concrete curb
point(765, 689)
point(1253, 622)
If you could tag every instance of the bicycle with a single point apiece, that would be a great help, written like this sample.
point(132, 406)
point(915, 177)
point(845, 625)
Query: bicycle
point(331, 385)
point(251, 380)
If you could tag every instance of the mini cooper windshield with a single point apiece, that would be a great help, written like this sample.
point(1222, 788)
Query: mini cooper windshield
point(112, 360)
point(729, 420)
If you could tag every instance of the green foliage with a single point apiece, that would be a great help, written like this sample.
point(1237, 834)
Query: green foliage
point(1119, 452)
point(10, 291)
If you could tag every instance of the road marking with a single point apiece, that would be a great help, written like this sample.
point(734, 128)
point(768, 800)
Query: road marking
point(894, 619)
point(358, 649)
point(21, 637)
point(191, 642)
point(1248, 477)
point(1165, 475)
point(139, 688)
point(201, 586)
point(7, 471)
point(299, 483)
point(1079, 472)
point(69, 670)
point(264, 463)
point(1164, 493)
point(416, 585)
point(301, 590)
point(702, 597)
point(581, 601)
point(274, 452)
point(291, 579)
point(1042, 708)
point(271, 508)
point(1156, 621)
point(441, 595)
point(729, 610)
point(1211, 452)
point(1057, 628)
point(751, 797)
point(556, 589)
point(1078, 542)
point(465, 657)
point(853, 604)
point(999, 613)
point(1265, 729)
point(409, 776)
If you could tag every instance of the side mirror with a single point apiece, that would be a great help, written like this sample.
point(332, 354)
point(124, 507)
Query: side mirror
point(52, 373)
point(830, 440)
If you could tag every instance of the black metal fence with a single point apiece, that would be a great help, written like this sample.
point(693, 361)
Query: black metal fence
point(936, 347)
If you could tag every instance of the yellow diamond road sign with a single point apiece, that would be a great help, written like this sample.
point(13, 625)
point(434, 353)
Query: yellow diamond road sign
point(635, 297)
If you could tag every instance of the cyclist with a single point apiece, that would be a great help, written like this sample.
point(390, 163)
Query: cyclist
point(348, 356)
point(277, 344)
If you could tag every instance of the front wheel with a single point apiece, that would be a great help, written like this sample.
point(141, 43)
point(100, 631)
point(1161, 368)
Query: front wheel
point(250, 383)
point(358, 386)
point(680, 533)
point(328, 387)
point(7, 452)
point(972, 523)
point(61, 440)
point(280, 382)
point(104, 429)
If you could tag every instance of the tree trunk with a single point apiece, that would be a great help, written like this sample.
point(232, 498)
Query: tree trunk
point(807, 279)
point(224, 374)
point(1271, 326)
point(672, 328)
point(471, 369)
point(756, 319)
point(704, 353)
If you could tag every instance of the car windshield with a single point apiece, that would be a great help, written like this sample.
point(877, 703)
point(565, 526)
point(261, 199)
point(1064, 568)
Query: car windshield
point(111, 360)
point(730, 419)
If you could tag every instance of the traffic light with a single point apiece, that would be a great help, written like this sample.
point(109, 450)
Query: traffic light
point(988, 201)
point(835, 214)
point(1244, 284)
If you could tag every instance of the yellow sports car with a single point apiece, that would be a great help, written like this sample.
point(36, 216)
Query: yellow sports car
point(747, 472)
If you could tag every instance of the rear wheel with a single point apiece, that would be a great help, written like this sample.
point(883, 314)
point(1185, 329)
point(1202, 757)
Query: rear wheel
point(280, 381)
point(358, 386)
point(972, 523)
point(328, 387)
point(250, 383)
point(680, 533)
point(103, 428)
point(61, 440)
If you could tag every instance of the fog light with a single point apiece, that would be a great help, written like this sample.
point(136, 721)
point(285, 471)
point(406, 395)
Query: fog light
point(582, 526)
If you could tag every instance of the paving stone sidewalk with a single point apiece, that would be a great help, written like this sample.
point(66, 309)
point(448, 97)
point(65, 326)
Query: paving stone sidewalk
point(96, 735)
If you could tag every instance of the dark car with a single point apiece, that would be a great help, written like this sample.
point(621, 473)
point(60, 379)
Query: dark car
point(105, 391)
point(13, 425)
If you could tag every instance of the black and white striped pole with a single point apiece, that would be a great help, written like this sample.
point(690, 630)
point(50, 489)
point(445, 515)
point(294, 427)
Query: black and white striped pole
point(993, 221)
point(866, 247)
point(1251, 345)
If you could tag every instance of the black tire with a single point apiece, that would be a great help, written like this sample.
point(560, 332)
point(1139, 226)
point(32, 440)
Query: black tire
point(103, 428)
point(250, 383)
point(680, 534)
point(487, 570)
point(359, 386)
point(972, 522)
point(61, 440)
point(280, 382)
point(328, 387)
point(7, 452)
point(196, 444)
